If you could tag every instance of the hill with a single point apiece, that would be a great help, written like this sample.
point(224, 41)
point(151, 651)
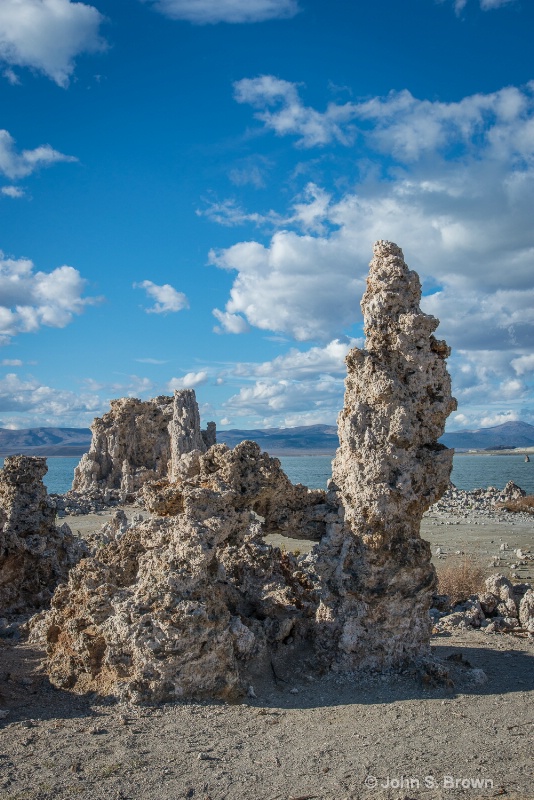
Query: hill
point(45, 441)
point(306, 439)
point(507, 435)
point(302, 440)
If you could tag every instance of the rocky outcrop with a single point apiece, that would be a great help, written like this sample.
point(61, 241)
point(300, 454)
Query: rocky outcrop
point(374, 567)
point(35, 555)
point(140, 441)
point(194, 603)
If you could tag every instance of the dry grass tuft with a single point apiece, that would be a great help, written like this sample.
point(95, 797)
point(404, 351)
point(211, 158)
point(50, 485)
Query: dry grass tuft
point(521, 504)
point(460, 580)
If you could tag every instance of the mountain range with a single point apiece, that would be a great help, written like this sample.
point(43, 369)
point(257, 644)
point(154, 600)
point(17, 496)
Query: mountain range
point(303, 440)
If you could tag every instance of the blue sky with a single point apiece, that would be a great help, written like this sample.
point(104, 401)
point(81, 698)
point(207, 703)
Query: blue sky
point(190, 191)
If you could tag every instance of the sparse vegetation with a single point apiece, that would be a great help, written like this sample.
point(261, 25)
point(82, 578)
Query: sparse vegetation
point(459, 580)
point(521, 504)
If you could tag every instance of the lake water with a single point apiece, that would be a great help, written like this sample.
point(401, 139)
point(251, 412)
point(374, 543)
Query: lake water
point(469, 472)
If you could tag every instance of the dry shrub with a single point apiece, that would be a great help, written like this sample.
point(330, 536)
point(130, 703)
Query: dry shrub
point(461, 579)
point(521, 504)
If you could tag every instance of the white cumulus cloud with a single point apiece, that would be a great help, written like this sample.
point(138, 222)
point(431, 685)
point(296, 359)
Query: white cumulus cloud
point(523, 365)
point(188, 381)
point(47, 36)
point(40, 404)
point(12, 191)
point(202, 12)
point(166, 297)
point(30, 300)
point(14, 164)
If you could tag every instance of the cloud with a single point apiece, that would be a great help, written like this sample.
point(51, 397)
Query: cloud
point(189, 381)
point(291, 116)
point(12, 191)
point(47, 36)
point(150, 361)
point(523, 365)
point(44, 403)
point(287, 403)
point(30, 300)
point(485, 5)
point(166, 297)
point(499, 419)
point(11, 362)
point(251, 171)
point(462, 217)
point(230, 323)
point(16, 165)
point(203, 12)
point(398, 124)
point(296, 364)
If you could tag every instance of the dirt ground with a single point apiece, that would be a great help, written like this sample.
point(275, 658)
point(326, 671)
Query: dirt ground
point(363, 737)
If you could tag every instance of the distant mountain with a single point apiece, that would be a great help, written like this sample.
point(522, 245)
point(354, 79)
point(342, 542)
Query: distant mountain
point(303, 440)
point(45, 441)
point(507, 435)
point(310, 439)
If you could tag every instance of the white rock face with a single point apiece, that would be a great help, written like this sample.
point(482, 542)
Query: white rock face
point(195, 603)
point(140, 441)
point(389, 468)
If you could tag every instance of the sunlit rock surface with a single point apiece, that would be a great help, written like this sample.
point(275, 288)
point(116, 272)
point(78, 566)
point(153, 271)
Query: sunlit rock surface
point(194, 603)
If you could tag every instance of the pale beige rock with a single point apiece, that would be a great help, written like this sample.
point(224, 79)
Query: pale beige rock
point(141, 441)
point(526, 610)
point(190, 605)
point(195, 603)
point(375, 570)
point(35, 555)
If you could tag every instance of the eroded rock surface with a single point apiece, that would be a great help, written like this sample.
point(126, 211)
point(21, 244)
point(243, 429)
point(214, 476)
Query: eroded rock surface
point(35, 555)
point(139, 441)
point(195, 603)
point(375, 568)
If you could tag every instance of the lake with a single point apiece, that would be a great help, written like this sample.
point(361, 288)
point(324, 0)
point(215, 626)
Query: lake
point(469, 471)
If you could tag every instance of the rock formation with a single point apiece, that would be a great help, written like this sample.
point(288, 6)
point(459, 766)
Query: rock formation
point(191, 605)
point(35, 555)
point(375, 569)
point(138, 441)
point(194, 603)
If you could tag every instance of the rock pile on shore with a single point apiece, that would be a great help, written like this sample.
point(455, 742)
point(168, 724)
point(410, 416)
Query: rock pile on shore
point(485, 501)
point(503, 608)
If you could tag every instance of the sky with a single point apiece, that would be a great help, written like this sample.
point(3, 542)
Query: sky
point(190, 191)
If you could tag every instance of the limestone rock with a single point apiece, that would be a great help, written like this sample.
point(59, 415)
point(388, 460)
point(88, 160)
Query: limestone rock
point(377, 578)
point(526, 611)
point(35, 555)
point(195, 603)
point(140, 441)
point(188, 605)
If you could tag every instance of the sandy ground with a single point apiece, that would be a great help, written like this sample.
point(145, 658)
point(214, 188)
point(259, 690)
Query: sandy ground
point(328, 739)
point(361, 737)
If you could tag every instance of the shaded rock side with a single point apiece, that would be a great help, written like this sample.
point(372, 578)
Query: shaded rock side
point(374, 568)
point(195, 604)
point(35, 555)
point(139, 441)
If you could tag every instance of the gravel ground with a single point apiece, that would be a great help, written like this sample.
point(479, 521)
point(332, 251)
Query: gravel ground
point(329, 739)
point(393, 737)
